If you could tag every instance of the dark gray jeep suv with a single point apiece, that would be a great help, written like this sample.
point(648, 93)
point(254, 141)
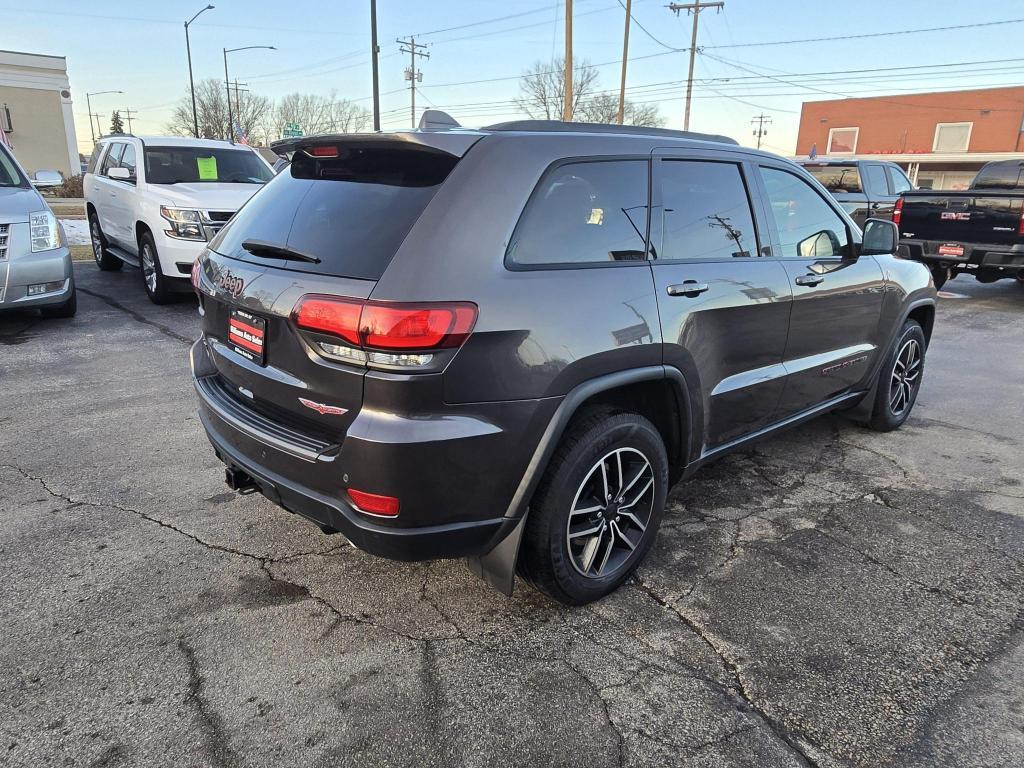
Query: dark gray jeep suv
point(507, 344)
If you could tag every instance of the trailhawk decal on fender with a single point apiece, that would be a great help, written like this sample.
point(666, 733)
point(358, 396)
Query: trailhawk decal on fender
point(844, 364)
point(322, 408)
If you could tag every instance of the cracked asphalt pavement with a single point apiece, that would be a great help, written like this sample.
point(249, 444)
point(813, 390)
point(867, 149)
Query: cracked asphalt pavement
point(830, 597)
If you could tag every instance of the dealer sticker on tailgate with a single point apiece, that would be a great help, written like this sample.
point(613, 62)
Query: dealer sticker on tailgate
point(951, 249)
point(247, 335)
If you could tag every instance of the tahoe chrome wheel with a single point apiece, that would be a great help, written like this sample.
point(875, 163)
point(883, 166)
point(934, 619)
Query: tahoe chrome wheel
point(149, 267)
point(97, 240)
point(906, 373)
point(610, 512)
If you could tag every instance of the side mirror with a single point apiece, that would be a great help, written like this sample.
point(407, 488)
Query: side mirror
point(881, 237)
point(821, 244)
point(45, 179)
point(120, 174)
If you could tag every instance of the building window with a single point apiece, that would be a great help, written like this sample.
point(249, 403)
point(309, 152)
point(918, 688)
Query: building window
point(842, 141)
point(952, 137)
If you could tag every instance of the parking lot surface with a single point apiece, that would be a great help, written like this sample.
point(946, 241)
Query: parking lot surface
point(829, 597)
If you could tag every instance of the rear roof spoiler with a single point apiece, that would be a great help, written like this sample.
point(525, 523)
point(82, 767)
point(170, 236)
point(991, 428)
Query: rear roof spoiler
point(453, 143)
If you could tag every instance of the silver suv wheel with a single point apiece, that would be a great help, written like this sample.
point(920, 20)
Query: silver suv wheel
point(610, 512)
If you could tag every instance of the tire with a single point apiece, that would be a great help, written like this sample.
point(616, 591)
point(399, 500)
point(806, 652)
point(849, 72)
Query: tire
point(893, 407)
point(105, 260)
point(153, 279)
point(940, 275)
point(589, 568)
point(67, 309)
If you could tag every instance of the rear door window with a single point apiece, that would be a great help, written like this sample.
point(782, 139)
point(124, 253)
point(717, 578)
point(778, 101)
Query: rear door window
point(706, 212)
point(837, 179)
point(874, 174)
point(94, 158)
point(900, 183)
point(589, 212)
point(352, 212)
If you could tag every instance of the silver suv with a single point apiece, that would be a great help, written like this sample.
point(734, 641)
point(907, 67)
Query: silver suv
point(35, 264)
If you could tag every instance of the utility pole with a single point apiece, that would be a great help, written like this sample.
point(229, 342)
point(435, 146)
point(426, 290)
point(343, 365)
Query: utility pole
point(128, 116)
point(567, 105)
point(694, 9)
point(625, 58)
point(99, 125)
point(762, 120)
point(375, 50)
point(236, 87)
point(413, 75)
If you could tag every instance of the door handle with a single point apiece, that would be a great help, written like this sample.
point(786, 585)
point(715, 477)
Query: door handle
point(809, 280)
point(688, 288)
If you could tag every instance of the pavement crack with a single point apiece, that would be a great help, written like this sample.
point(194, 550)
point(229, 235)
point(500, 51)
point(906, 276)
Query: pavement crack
point(138, 316)
point(739, 687)
point(217, 746)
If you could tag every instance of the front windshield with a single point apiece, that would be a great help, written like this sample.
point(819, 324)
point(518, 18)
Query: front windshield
point(9, 174)
point(836, 178)
point(198, 165)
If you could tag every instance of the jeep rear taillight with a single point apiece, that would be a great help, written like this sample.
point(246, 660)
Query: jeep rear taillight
point(389, 333)
point(897, 212)
point(1020, 225)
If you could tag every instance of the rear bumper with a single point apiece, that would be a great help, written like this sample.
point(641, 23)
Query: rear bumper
point(976, 255)
point(455, 481)
point(422, 543)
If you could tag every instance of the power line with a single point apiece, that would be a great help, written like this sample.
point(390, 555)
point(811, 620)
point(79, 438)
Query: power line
point(864, 36)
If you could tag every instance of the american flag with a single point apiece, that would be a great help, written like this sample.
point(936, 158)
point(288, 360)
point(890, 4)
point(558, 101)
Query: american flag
point(240, 134)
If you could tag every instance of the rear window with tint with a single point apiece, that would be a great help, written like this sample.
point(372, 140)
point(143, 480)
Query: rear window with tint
point(836, 178)
point(352, 212)
point(999, 176)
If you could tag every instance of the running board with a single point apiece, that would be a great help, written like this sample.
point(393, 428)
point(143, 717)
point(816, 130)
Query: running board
point(124, 256)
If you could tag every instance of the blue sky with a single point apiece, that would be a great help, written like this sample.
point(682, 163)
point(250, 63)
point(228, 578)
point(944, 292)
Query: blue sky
point(139, 48)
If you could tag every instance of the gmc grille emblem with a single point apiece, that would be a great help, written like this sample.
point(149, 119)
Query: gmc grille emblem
point(231, 283)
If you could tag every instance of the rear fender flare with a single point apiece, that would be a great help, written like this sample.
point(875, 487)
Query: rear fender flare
point(497, 567)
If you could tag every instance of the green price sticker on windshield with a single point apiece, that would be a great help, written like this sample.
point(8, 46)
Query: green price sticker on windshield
point(207, 167)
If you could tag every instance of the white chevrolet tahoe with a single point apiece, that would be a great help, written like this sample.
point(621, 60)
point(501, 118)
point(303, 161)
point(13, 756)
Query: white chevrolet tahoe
point(154, 202)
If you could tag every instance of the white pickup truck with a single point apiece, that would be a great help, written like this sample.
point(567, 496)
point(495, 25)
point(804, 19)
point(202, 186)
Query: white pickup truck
point(153, 202)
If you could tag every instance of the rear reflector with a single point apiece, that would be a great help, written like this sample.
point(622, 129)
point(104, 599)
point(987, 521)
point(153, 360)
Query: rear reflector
point(897, 212)
point(377, 325)
point(1020, 226)
point(374, 504)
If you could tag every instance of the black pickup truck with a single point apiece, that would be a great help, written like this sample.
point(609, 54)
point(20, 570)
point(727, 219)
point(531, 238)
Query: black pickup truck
point(978, 231)
point(867, 189)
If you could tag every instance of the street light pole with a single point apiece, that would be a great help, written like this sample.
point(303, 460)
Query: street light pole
point(191, 82)
point(227, 83)
point(88, 104)
point(373, 57)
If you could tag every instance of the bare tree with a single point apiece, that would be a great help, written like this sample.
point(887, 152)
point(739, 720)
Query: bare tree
point(212, 111)
point(314, 114)
point(604, 108)
point(542, 88)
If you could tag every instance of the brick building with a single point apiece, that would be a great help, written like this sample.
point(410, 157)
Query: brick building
point(941, 139)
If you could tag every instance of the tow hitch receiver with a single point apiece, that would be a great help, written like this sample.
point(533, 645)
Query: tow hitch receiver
point(238, 480)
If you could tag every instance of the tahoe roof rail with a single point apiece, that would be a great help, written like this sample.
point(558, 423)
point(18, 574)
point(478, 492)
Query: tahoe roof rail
point(553, 126)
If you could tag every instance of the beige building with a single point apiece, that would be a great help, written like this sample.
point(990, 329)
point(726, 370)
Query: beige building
point(35, 112)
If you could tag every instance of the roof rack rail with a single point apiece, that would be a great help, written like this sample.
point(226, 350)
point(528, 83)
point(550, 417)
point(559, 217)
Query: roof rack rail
point(632, 130)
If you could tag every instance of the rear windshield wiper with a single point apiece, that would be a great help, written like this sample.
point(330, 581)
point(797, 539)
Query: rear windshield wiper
point(261, 248)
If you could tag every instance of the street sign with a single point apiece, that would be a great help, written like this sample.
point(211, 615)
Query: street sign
point(292, 130)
